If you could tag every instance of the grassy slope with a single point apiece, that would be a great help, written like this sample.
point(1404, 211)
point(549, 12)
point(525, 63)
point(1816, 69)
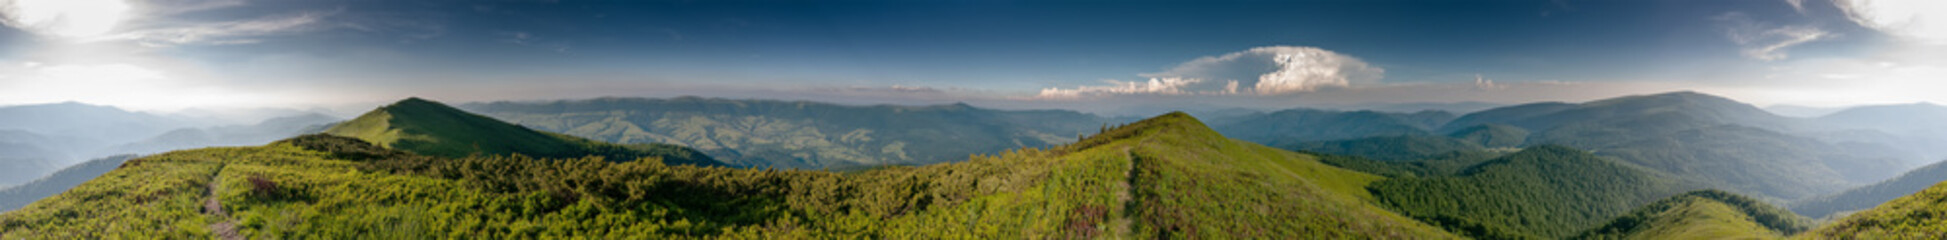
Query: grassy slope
point(1871, 195)
point(1540, 192)
point(1192, 181)
point(1705, 214)
point(1164, 176)
point(1922, 215)
point(14, 197)
point(430, 128)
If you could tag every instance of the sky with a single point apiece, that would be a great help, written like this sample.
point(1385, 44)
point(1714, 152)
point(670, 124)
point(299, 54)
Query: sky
point(1095, 56)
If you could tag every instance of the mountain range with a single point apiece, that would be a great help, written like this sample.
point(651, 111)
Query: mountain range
point(802, 135)
point(36, 140)
point(1660, 166)
point(1168, 176)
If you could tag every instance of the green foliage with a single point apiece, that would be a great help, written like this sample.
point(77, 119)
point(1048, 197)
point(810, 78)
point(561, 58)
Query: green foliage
point(1703, 214)
point(802, 135)
point(430, 128)
point(158, 196)
point(1543, 191)
point(1922, 215)
point(1167, 176)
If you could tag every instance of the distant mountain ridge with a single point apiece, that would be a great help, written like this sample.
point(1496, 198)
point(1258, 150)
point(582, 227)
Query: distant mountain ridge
point(801, 134)
point(1295, 126)
point(13, 197)
point(1706, 138)
point(431, 128)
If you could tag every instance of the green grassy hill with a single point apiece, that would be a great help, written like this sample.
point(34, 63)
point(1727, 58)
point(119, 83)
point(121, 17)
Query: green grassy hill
point(429, 128)
point(1540, 192)
point(800, 134)
point(1703, 214)
point(1922, 215)
point(1167, 176)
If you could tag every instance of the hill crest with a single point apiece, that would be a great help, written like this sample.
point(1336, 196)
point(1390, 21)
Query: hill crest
point(430, 128)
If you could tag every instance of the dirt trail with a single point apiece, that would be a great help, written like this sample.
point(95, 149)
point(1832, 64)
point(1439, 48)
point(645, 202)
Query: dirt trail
point(227, 228)
point(1127, 196)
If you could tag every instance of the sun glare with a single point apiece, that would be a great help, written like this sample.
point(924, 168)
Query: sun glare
point(77, 19)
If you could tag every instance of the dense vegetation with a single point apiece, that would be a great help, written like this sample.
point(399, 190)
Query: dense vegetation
point(1922, 215)
point(1703, 214)
point(430, 128)
point(1164, 177)
point(803, 135)
point(1872, 195)
point(1540, 192)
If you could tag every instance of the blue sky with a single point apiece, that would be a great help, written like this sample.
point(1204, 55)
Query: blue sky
point(1087, 55)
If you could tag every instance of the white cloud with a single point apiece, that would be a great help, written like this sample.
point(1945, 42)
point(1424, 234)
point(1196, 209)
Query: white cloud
point(229, 32)
point(1764, 42)
point(1921, 19)
point(1273, 70)
point(64, 18)
point(1153, 86)
point(1483, 84)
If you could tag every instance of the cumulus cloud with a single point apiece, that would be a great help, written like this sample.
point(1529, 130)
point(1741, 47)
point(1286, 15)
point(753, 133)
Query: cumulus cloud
point(1763, 42)
point(1273, 70)
point(1922, 19)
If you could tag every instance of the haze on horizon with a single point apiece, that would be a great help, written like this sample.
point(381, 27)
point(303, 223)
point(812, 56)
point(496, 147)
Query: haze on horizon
point(165, 55)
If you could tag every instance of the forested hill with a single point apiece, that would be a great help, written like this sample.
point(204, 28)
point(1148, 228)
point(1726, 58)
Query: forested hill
point(429, 128)
point(1703, 214)
point(1165, 177)
point(800, 134)
point(1539, 192)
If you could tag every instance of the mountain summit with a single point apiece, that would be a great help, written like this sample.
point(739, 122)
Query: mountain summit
point(429, 128)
